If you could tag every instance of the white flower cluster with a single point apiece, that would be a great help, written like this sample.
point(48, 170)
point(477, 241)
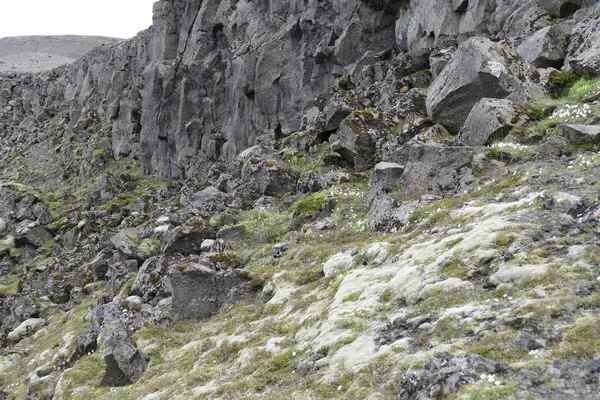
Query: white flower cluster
point(571, 112)
point(510, 146)
point(585, 161)
point(348, 191)
point(490, 378)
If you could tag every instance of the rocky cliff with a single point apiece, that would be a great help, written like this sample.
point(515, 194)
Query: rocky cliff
point(308, 199)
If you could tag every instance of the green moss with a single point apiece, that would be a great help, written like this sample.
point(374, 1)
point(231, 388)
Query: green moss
point(566, 79)
point(500, 347)
point(266, 225)
point(9, 285)
point(487, 391)
point(582, 88)
point(352, 296)
point(503, 240)
point(305, 276)
point(581, 339)
point(311, 205)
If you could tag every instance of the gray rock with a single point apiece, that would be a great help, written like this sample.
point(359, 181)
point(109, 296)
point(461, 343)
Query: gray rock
point(385, 177)
point(26, 328)
point(480, 68)
point(387, 214)
point(445, 374)
point(188, 238)
point(118, 274)
point(2, 225)
point(279, 249)
point(267, 178)
point(489, 120)
point(545, 48)
point(356, 142)
point(199, 293)
point(210, 199)
point(126, 241)
point(434, 169)
point(580, 134)
point(115, 322)
point(233, 233)
point(42, 388)
point(459, 5)
point(583, 55)
point(560, 8)
point(152, 282)
point(31, 233)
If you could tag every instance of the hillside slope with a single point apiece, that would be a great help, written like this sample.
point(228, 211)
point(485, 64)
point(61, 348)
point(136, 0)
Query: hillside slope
point(308, 200)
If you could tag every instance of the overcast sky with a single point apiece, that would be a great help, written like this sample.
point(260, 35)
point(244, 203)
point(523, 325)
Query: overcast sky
point(114, 18)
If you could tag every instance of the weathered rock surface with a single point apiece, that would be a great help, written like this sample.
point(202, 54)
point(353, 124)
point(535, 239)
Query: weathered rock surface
point(28, 327)
point(188, 238)
point(480, 68)
point(561, 8)
point(385, 177)
point(580, 134)
point(444, 374)
point(584, 48)
point(434, 169)
point(489, 120)
point(199, 293)
point(546, 48)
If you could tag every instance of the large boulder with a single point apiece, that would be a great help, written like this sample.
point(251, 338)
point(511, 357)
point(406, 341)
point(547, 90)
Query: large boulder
point(26, 328)
point(199, 292)
point(545, 48)
point(356, 141)
point(435, 169)
point(262, 177)
point(388, 214)
point(384, 179)
point(583, 55)
point(115, 322)
point(580, 134)
point(480, 68)
point(152, 282)
point(32, 233)
point(210, 199)
point(188, 238)
point(489, 120)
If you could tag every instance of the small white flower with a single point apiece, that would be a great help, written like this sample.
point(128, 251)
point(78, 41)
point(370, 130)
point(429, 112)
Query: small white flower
point(340, 387)
point(483, 376)
point(498, 383)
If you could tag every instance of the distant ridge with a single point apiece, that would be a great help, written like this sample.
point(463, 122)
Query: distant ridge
point(43, 53)
point(71, 46)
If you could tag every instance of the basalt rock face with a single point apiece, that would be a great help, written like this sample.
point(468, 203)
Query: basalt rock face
point(210, 78)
